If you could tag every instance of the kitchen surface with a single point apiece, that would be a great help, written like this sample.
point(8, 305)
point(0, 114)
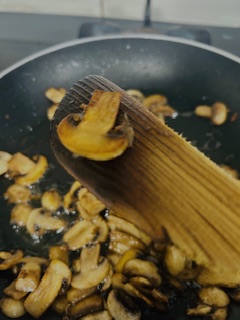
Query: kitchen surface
point(27, 27)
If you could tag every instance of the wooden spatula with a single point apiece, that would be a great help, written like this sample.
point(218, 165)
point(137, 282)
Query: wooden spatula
point(161, 182)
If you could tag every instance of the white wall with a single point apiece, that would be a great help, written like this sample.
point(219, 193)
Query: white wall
point(207, 12)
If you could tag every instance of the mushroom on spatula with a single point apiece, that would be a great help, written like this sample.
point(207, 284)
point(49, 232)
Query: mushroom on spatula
point(161, 182)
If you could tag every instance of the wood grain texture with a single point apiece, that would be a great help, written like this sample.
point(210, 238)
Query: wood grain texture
point(162, 181)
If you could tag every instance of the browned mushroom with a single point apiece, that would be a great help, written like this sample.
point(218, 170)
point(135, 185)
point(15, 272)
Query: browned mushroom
point(28, 277)
point(12, 292)
point(19, 164)
point(17, 194)
point(9, 259)
point(122, 307)
point(41, 221)
point(51, 200)
point(60, 253)
point(93, 136)
point(35, 174)
point(38, 301)
point(55, 95)
point(12, 308)
point(20, 214)
point(4, 158)
point(88, 305)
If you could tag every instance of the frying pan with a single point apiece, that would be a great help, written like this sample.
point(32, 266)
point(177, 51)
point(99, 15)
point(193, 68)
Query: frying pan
point(188, 73)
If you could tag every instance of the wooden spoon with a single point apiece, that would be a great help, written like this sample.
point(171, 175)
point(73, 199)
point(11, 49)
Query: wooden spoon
point(162, 182)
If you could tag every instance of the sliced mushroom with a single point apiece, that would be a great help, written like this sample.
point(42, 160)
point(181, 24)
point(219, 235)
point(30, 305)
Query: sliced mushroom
point(116, 223)
point(122, 307)
point(154, 100)
point(118, 247)
point(214, 297)
point(101, 315)
point(60, 253)
point(51, 283)
point(17, 194)
point(51, 200)
point(219, 113)
point(158, 299)
point(41, 221)
point(55, 94)
point(51, 111)
point(20, 214)
point(12, 308)
point(128, 255)
point(60, 304)
point(165, 111)
point(114, 258)
point(19, 164)
point(90, 203)
point(9, 259)
point(12, 292)
point(80, 234)
point(28, 277)
point(203, 111)
point(75, 295)
point(200, 310)
point(220, 314)
point(88, 305)
point(71, 196)
point(35, 174)
point(93, 136)
point(127, 239)
point(136, 94)
point(90, 258)
point(120, 282)
point(107, 282)
point(102, 230)
point(147, 269)
point(175, 260)
point(4, 158)
point(91, 278)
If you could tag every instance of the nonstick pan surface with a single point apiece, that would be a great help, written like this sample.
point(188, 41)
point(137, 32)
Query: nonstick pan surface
point(188, 73)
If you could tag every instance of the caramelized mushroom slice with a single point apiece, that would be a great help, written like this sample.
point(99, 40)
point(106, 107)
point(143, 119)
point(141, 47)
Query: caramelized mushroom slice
point(40, 221)
point(19, 164)
point(136, 94)
point(55, 95)
point(90, 203)
point(128, 255)
point(126, 239)
point(12, 292)
point(75, 295)
point(91, 278)
point(20, 214)
point(35, 174)
point(60, 253)
point(80, 234)
point(71, 196)
point(9, 259)
point(220, 314)
point(102, 230)
point(12, 308)
point(122, 307)
point(147, 269)
point(88, 305)
point(60, 304)
point(102, 315)
point(28, 277)
point(116, 223)
point(51, 200)
point(214, 296)
point(17, 194)
point(175, 260)
point(51, 111)
point(93, 136)
point(200, 310)
point(4, 158)
point(154, 100)
point(55, 276)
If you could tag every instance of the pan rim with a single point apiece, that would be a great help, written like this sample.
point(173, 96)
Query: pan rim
point(75, 42)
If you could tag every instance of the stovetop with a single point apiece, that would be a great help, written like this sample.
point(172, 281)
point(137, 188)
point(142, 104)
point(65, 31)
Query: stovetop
point(24, 34)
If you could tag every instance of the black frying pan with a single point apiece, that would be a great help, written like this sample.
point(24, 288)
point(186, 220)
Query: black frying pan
point(187, 73)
